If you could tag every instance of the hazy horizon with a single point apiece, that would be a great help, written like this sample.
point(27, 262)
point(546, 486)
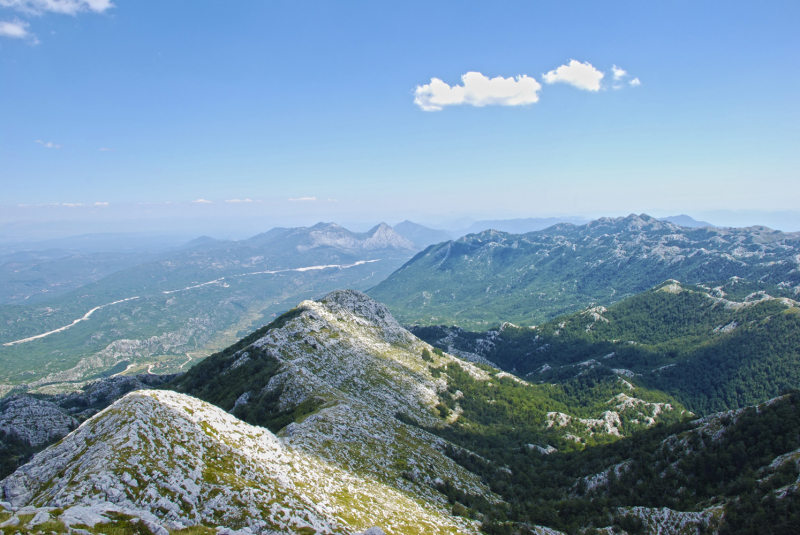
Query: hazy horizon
point(231, 226)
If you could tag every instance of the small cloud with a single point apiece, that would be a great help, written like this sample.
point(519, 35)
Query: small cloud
point(478, 90)
point(201, 201)
point(240, 200)
point(106, 149)
point(16, 29)
point(101, 204)
point(48, 145)
point(619, 73)
point(67, 7)
point(303, 199)
point(580, 75)
point(635, 82)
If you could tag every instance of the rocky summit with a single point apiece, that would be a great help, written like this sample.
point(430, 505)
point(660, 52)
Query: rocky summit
point(182, 462)
point(347, 368)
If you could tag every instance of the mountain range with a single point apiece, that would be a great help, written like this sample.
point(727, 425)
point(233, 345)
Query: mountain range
point(421, 236)
point(483, 279)
point(516, 226)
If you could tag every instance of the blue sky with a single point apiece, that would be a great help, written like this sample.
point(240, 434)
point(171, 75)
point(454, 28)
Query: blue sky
point(139, 104)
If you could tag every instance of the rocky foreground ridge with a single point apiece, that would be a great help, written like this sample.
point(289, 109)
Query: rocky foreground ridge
point(186, 462)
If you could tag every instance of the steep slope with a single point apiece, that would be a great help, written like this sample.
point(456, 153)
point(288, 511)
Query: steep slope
point(160, 316)
point(331, 375)
point(710, 352)
point(481, 280)
point(373, 427)
point(186, 462)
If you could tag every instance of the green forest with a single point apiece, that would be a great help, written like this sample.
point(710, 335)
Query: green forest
point(709, 353)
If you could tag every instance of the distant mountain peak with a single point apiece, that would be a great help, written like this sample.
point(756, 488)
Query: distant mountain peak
point(687, 221)
point(324, 225)
point(383, 236)
point(421, 236)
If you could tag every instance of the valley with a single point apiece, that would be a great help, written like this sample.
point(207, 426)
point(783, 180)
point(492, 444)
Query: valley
point(196, 300)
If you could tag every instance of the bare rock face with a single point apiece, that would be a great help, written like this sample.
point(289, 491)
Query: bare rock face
point(34, 421)
point(360, 307)
point(349, 353)
point(177, 461)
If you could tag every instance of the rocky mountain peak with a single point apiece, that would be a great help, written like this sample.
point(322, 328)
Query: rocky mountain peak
point(383, 236)
point(332, 235)
point(362, 306)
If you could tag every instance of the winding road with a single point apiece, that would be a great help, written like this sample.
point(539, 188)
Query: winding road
point(65, 327)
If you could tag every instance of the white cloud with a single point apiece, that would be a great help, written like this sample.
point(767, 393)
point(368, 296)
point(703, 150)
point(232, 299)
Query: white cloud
point(618, 72)
point(67, 7)
point(75, 204)
point(15, 29)
point(49, 144)
point(635, 82)
point(580, 75)
point(240, 200)
point(478, 90)
point(201, 201)
point(303, 199)
point(106, 149)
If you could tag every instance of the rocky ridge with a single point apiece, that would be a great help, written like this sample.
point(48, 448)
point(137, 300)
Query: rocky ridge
point(348, 357)
point(184, 462)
